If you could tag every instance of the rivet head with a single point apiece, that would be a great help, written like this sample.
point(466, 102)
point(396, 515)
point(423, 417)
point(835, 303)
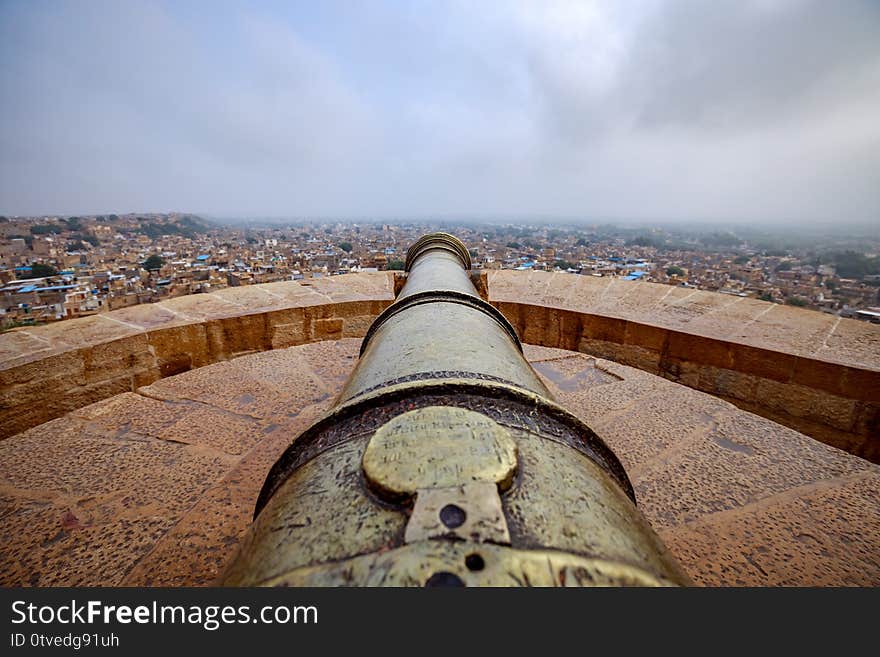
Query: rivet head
point(444, 579)
point(452, 516)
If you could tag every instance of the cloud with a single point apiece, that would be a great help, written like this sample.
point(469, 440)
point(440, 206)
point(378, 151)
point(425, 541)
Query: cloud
point(764, 109)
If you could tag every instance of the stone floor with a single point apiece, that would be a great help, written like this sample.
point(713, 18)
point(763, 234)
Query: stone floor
point(157, 487)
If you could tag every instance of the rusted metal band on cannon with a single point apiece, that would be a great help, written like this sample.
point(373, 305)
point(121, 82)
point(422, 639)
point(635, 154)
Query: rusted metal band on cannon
point(441, 296)
point(549, 419)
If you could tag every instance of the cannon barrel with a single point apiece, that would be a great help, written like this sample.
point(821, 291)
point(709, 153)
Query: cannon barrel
point(445, 461)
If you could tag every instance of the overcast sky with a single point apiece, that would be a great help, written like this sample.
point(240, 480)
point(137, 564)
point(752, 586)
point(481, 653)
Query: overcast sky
point(764, 110)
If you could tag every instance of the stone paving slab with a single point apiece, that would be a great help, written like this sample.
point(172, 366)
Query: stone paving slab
point(157, 487)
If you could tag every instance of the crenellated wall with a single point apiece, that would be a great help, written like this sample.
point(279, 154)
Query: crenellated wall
point(813, 372)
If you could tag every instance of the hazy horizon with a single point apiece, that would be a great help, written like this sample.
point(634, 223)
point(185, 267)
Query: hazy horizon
point(761, 112)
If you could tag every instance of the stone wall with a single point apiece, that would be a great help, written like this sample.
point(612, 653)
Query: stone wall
point(813, 372)
point(49, 370)
point(816, 373)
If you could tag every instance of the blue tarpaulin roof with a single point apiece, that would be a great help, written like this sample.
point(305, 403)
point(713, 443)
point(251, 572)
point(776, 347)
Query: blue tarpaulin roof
point(203, 257)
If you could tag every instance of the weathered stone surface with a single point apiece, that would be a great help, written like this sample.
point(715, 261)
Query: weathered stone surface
point(810, 371)
point(821, 534)
point(199, 547)
point(49, 370)
point(84, 503)
point(739, 500)
point(158, 487)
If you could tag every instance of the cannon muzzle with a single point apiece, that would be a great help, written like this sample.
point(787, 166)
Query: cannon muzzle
point(445, 461)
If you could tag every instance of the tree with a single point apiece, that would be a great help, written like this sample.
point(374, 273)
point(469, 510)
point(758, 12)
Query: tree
point(644, 240)
point(784, 266)
point(741, 260)
point(796, 301)
point(398, 265)
point(473, 253)
point(40, 270)
point(73, 223)
point(514, 245)
point(582, 242)
point(565, 264)
point(346, 246)
point(766, 296)
point(831, 285)
point(674, 271)
point(851, 264)
point(153, 262)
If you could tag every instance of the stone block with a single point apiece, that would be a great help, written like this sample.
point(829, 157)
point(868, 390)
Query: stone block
point(763, 363)
point(16, 345)
point(861, 383)
point(731, 384)
point(652, 338)
point(356, 327)
point(180, 348)
point(819, 374)
point(126, 355)
point(606, 329)
point(67, 364)
point(800, 401)
point(537, 325)
point(699, 349)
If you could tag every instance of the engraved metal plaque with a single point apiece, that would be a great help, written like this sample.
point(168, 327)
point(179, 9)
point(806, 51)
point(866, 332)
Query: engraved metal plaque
point(438, 447)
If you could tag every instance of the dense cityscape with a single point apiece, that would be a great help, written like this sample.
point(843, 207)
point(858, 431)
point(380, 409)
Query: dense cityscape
point(54, 268)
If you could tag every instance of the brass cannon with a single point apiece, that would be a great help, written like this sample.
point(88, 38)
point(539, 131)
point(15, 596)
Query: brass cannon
point(445, 461)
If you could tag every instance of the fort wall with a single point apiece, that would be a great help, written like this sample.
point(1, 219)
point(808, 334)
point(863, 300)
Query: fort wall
point(816, 373)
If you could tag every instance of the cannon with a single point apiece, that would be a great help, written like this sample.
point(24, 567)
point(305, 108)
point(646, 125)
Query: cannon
point(445, 461)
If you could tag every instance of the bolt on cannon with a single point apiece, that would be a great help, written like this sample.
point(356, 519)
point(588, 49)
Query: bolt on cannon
point(445, 461)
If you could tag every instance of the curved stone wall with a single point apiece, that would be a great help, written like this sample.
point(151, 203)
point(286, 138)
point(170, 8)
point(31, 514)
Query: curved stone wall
point(49, 370)
point(817, 373)
point(813, 372)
